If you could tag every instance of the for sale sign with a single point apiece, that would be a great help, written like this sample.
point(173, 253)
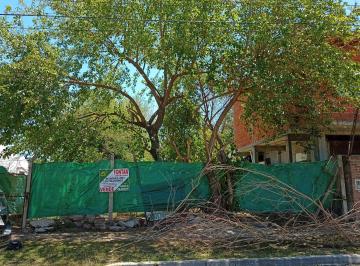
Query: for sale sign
point(113, 180)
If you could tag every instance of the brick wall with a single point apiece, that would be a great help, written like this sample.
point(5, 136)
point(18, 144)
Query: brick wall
point(241, 134)
point(346, 115)
point(354, 162)
point(243, 137)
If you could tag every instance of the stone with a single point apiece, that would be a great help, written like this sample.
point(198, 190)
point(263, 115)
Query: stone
point(99, 220)
point(87, 226)
point(90, 218)
point(76, 218)
point(100, 226)
point(42, 223)
point(132, 223)
point(110, 223)
point(116, 228)
point(156, 216)
point(67, 220)
point(40, 230)
point(79, 224)
point(120, 223)
point(43, 229)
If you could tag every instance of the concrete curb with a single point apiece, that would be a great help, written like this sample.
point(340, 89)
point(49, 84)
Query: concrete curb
point(328, 260)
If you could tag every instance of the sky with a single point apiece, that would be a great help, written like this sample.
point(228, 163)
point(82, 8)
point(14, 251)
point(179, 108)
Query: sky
point(14, 3)
point(27, 23)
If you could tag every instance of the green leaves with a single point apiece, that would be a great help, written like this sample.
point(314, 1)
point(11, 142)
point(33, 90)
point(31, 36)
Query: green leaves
point(296, 78)
point(134, 67)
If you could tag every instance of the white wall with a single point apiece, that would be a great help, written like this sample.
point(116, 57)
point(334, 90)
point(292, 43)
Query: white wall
point(16, 164)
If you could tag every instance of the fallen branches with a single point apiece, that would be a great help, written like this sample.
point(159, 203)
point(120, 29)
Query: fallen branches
point(208, 226)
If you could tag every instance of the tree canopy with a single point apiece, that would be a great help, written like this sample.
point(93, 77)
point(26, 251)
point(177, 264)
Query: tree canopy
point(89, 78)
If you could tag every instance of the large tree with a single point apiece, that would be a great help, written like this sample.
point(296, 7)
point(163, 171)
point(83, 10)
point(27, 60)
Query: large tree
point(281, 63)
point(279, 60)
point(133, 48)
point(275, 56)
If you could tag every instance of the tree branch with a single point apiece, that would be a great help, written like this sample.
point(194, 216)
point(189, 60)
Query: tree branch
point(221, 118)
point(114, 89)
point(141, 71)
point(148, 82)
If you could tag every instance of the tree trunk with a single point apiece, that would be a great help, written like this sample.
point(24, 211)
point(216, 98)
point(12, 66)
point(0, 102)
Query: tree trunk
point(154, 144)
point(215, 189)
point(223, 159)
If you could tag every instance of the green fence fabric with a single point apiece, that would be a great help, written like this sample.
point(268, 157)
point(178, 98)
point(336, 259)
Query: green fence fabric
point(13, 187)
point(61, 189)
point(160, 186)
point(257, 193)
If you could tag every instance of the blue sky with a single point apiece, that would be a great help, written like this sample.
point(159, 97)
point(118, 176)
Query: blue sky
point(14, 3)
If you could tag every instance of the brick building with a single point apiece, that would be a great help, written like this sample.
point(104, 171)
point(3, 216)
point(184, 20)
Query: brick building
point(354, 175)
point(291, 147)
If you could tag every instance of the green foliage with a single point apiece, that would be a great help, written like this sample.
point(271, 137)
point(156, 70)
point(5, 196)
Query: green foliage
point(30, 93)
point(294, 78)
point(182, 135)
point(40, 115)
point(107, 76)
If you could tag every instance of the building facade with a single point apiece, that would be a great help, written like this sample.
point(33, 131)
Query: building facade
point(289, 147)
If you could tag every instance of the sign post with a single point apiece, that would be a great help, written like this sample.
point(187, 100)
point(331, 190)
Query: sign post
point(113, 180)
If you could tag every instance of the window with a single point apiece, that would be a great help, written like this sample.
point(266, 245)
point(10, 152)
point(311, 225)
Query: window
point(357, 184)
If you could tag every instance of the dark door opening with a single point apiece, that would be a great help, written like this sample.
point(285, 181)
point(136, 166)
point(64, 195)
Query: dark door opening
point(339, 144)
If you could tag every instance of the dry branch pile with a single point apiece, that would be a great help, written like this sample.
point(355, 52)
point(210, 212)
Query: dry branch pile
point(208, 226)
point(216, 229)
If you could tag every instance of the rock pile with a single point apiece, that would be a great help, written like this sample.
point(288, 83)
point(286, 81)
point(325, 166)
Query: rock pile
point(43, 225)
point(86, 222)
point(92, 222)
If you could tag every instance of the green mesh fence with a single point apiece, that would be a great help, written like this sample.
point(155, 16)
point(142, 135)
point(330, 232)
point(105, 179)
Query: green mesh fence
point(61, 189)
point(13, 187)
point(287, 190)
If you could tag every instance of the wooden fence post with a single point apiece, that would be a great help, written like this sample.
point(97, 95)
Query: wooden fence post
point(111, 194)
point(27, 195)
point(342, 184)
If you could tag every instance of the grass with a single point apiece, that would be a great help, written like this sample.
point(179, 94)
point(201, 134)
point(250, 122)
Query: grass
point(47, 251)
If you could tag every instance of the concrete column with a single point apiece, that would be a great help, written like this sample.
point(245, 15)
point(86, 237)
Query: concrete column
point(323, 149)
point(286, 154)
point(289, 150)
point(253, 155)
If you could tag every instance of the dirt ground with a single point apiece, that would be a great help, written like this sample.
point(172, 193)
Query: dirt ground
point(77, 235)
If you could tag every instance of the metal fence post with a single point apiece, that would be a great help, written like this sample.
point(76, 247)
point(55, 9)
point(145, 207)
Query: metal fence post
point(27, 195)
point(111, 194)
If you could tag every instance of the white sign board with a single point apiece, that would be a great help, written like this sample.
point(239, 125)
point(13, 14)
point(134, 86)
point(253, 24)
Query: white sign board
point(112, 180)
